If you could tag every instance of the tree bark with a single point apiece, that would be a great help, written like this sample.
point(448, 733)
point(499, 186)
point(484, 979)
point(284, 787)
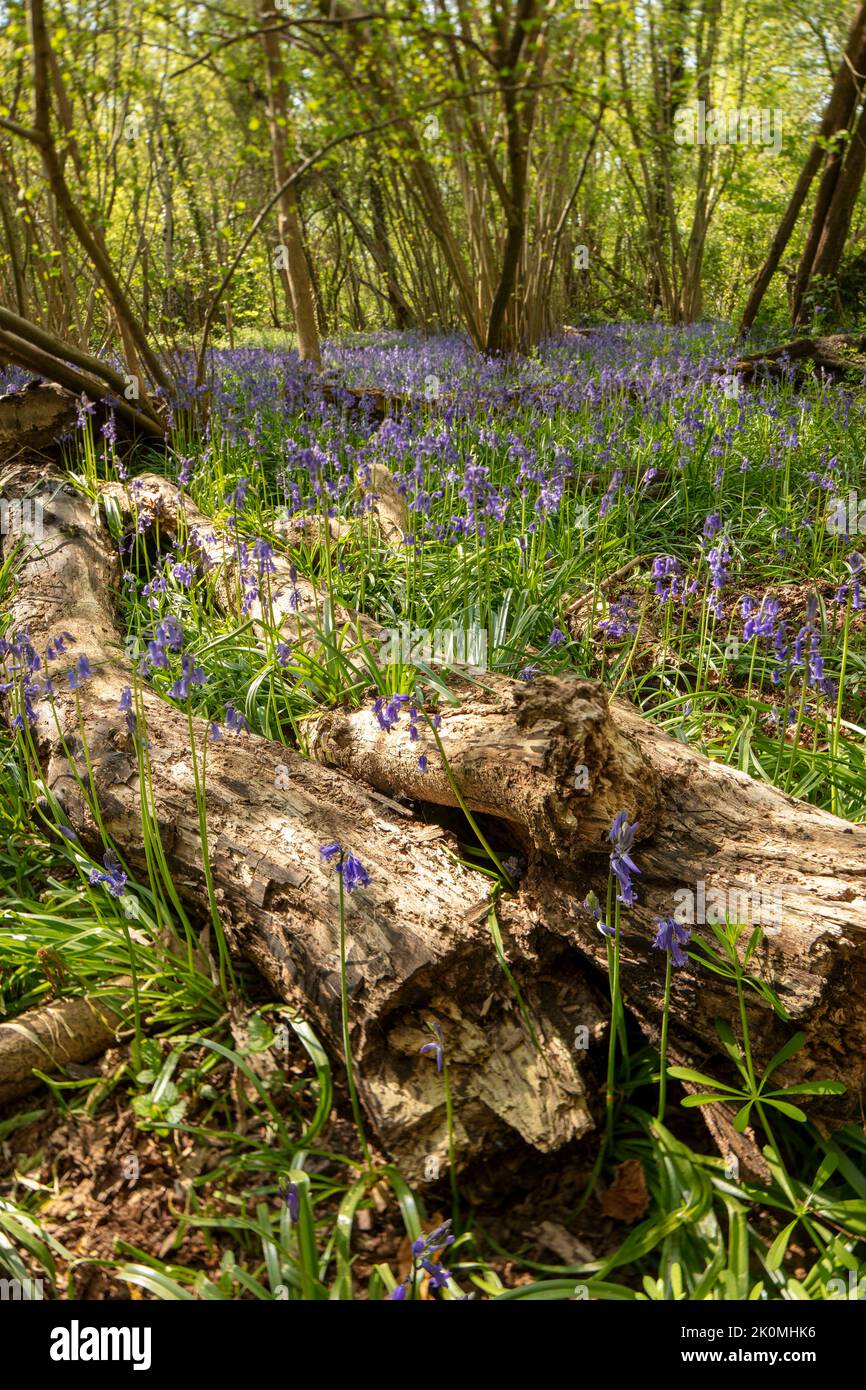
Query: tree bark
point(545, 757)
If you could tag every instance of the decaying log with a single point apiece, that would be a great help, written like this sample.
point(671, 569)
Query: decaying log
point(420, 947)
point(34, 416)
point(792, 868)
point(706, 830)
point(544, 756)
point(419, 940)
point(33, 359)
point(841, 356)
point(47, 1039)
point(386, 505)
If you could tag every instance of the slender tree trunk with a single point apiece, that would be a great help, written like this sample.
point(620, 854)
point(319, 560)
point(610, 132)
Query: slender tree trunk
point(837, 116)
point(299, 288)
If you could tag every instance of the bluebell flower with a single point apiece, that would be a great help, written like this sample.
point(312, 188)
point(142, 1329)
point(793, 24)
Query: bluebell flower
point(621, 836)
point(235, 722)
point(80, 673)
point(672, 936)
point(113, 879)
point(437, 1048)
point(292, 1197)
point(352, 871)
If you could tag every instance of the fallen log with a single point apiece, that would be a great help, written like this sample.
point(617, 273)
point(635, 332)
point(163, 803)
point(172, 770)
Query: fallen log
point(543, 756)
point(420, 948)
point(76, 382)
point(49, 1038)
point(420, 942)
point(841, 356)
point(287, 603)
point(725, 844)
point(711, 842)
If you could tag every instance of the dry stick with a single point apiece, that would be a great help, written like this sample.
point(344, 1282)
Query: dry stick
point(622, 573)
point(32, 358)
point(39, 338)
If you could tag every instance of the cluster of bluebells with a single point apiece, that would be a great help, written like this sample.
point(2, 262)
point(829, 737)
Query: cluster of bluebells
point(761, 621)
point(619, 622)
point(423, 1250)
point(350, 869)
point(22, 662)
point(387, 710)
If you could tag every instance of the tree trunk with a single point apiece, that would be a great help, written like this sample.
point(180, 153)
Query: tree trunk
point(837, 115)
point(838, 220)
point(296, 269)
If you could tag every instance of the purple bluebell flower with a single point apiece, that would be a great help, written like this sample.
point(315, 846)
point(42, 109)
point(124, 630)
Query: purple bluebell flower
point(292, 1197)
point(672, 936)
point(190, 675)
point(113, 878)
point(351, 870)
point(621, 836)
point(238, 498)
point(387, 710)
point(556, 638)
point(354, 873)
point(80, 673)
point(182, 573)
point(235, 721)
point(437, 1048)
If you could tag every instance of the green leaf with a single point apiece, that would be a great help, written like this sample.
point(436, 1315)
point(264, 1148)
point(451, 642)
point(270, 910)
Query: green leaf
point(687, 1074)
point(776, 1252)
point(791, 1046)
point(812, 1088)
point(742, 1117)
point(792, 1112)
